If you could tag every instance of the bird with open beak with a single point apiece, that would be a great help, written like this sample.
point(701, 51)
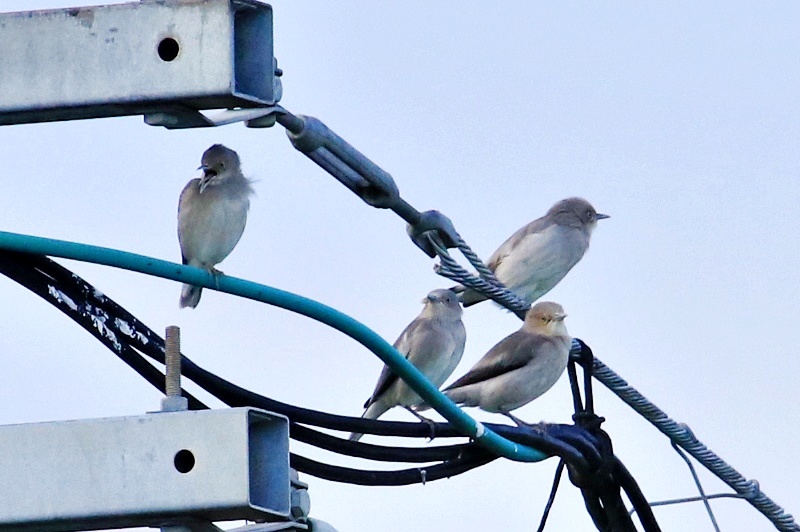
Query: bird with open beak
point(212, 213)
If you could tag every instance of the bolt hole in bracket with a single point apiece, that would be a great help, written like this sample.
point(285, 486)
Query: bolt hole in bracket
point(184, 461)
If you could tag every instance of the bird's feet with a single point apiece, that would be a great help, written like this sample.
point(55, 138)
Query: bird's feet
point(540, 427)
point(217, 274)
point(430, 422)
point(516, 420)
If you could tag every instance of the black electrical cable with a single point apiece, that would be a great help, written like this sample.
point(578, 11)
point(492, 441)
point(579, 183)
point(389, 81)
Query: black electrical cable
point(40, 275)
point(27, 274)
point(21, 265)
point(587, 481)
point(635, 495)
point(577, 402)
point(85, 305)
point(614, 507)
point(20, 272)
point(151, 344)
point(478, 457)
point(603, 499)
point(581, 440)
point(552, 497)
point(378, 453)
point(602, 487)
point(586, 360)
point(595, 510)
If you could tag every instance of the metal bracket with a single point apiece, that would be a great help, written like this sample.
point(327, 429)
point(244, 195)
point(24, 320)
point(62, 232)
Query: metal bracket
point(154, 57)
point(254, 118)
point(163, 469)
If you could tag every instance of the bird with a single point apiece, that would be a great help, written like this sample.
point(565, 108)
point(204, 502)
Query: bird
point(519, 368)
point(535, 258)
point(212, 213)
point(433, 342)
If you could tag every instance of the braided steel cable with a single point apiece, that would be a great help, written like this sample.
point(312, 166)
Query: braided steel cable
point(680, 434)
point(683, 436)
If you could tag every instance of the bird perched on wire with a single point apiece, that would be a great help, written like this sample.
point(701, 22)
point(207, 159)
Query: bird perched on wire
point(212, 213)
point(520, 368)
point(535, 258)
point(433, 343)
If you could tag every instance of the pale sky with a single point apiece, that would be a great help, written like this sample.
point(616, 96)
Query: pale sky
point(679, 120)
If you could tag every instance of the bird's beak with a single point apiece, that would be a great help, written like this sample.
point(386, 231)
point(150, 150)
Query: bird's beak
point(559, 317)
point(207, 176)
point(599, 216)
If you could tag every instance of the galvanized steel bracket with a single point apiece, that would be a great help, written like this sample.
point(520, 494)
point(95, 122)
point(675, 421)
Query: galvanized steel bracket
point(156, 57)
point(160, 469)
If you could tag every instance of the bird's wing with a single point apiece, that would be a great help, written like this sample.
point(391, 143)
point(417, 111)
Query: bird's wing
point(386, 379)
point(536, 226)
point(403, 345)
point(513, 352)
point(184, 201)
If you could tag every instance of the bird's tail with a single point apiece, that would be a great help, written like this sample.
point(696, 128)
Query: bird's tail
point(458, 288)
point(469, 297)
point(190, 295)
point(461, 396)
point(421, 407)
point(373, 411)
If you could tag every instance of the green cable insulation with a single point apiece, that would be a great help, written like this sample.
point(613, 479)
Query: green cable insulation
point(293, 302)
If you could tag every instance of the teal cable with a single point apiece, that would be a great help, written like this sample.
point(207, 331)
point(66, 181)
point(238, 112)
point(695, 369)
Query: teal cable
point(293, 302)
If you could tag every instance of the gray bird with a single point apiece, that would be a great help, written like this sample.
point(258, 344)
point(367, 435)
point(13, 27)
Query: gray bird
point(521, 367)
point(433, 343)
point(212, 213)
point(540, 254)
